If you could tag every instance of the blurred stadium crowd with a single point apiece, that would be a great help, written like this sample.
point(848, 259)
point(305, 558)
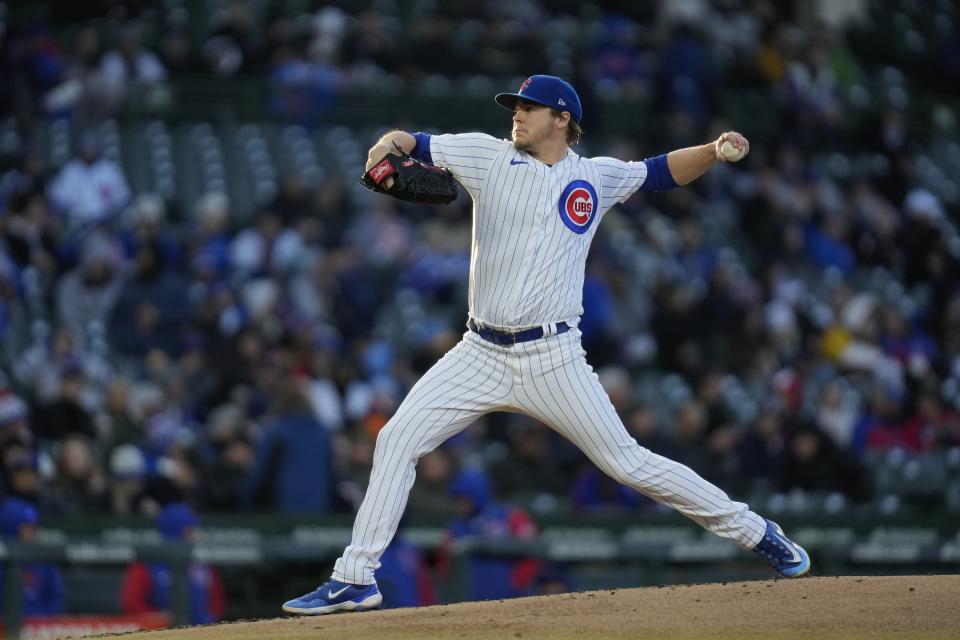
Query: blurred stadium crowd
point(790, 328)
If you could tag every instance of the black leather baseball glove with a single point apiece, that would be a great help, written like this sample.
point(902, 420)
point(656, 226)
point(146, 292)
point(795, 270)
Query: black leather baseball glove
point(413, 180)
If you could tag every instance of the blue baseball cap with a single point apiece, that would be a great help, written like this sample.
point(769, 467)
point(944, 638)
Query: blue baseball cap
point(472, 484)
point(549, 91)
point(175, 519)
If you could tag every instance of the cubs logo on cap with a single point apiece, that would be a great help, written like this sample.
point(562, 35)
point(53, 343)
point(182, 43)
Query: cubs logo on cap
point(578, 206)
point(549, 91)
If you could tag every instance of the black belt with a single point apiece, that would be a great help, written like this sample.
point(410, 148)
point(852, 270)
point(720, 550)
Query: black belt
point(508, 338)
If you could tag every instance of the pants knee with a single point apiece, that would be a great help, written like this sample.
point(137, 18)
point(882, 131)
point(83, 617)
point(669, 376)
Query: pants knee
point(625, 475)
point(387, 440)
point(392, 439)
point(629, 473)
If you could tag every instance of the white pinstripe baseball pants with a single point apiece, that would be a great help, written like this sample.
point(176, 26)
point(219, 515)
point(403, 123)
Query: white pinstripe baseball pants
point(550, 380)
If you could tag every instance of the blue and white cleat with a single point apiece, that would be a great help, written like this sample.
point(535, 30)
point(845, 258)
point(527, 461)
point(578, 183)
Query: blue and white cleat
point(786, 557)
point(333, 596)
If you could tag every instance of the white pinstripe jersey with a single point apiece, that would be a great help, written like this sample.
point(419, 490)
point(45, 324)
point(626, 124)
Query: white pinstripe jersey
point(532, 225)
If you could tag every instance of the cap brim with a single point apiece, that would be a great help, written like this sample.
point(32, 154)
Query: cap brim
point(509, 100)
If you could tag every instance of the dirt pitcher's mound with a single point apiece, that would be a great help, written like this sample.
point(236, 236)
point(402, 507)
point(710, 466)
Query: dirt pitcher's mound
point(847, 608)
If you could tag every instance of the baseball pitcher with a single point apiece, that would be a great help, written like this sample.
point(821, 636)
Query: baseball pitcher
point(536, 208)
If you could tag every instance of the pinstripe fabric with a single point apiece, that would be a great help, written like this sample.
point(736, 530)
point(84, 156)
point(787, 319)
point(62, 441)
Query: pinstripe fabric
point(558, 387)
point(470, 380)
point(527, 269)
point(550, 380)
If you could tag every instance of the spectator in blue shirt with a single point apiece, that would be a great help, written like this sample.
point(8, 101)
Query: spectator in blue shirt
point(149, 586)
point(481, 517)
point(43, 593)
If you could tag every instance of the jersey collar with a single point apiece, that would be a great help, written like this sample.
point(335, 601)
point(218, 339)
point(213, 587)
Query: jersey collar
point(571, 155)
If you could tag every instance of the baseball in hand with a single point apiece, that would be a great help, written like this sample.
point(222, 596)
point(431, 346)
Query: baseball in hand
point(730, 152)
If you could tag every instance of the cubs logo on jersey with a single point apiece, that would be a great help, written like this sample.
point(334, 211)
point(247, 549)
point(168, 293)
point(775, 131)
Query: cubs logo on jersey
point(578, 205)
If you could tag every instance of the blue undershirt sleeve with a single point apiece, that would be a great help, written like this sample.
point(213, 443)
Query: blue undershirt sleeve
point(659, 177)
point(422, 150)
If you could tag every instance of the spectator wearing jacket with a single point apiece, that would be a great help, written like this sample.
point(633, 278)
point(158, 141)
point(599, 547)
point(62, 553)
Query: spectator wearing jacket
point(483, 518)
point(43, 592)
point(148, 587)
point(293, 470)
